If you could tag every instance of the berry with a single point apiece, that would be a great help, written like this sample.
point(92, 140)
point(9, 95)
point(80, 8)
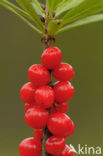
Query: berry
point(59, 124)
point(44, 96)
point(62, 108)
point(63, 72)
point(38, 75)
point(45, 105)
point(72, 129)
point(27, 93)
point(53, 110)
point(36, 117)
point(66, 152)
point(55, 145)
point(51, 57)
point(28, 106)
point(63, 91)
point(38, 133)
point(30, 147)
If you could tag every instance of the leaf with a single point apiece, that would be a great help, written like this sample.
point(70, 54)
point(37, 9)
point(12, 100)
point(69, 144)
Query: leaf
point(84, 21)
point(18, 12)
point(37, 7)
point(53, 26)
point(11, 6)
point(67, 5)
point(86, 8)
point(27, 6)
point(52, 5)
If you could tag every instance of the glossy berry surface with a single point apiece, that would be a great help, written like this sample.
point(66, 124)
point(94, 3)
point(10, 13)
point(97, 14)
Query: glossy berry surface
point(38, 133)
point(51, 57)
point(72, 129)
point(44, 96)
point(28, 106)
point(59, 124)
point(38, 75)
point(27, 93)
point(63, 91)
point(30, 147)
point(36, 117)
point(66, 152)
point(55, 145)
point(63, 72)
point(62, 108)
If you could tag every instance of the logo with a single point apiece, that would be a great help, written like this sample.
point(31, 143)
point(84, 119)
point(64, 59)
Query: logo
point(86, 150)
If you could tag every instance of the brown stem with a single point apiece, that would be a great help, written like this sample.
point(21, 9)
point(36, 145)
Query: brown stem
point(46, 43)
point(46, 134)
point(47, 39)
point(43, 143)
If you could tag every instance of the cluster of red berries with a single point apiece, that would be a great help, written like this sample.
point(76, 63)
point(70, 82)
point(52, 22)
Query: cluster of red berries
point(46, 105)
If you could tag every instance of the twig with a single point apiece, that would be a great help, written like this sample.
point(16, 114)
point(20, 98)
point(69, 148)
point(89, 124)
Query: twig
point(46, 39)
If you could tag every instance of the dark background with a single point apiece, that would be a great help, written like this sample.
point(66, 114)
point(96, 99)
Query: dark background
point(20, 47)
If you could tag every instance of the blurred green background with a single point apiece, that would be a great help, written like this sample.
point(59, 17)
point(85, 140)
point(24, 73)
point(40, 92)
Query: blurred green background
point(20, 47)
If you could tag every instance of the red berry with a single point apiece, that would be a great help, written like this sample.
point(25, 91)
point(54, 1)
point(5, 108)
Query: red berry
point(55, 145)
point(66, 152)
point(72, 129)
point(59, 124)
point(27, 93)
point(63, 91)
point(30, 147)
point(63, 72)
point(62, 108)
point(44, 96)
point(51, 57)
point(28, 106)
point(38, 75)
point(53, 110)
point(38, 133)
point(36, 117)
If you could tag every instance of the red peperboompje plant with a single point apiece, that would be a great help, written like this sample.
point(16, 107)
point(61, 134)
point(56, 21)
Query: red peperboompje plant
point(46, 102)
point(46, 105)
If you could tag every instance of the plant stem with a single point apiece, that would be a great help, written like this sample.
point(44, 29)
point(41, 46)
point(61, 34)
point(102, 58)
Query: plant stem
point(46, 43)
point(46, 134)
point(46, 40)
point(43, 143)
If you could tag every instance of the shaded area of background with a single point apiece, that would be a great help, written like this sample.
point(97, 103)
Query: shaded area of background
point(20, 47)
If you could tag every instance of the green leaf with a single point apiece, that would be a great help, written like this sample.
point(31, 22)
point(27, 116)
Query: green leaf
point(11, 6)
point(27, 6)
point(67, 5)
point(52, 5)
point(84, 21)
point(86, 8)
point(53, 26)
point(37, 7)
point(19, 13)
